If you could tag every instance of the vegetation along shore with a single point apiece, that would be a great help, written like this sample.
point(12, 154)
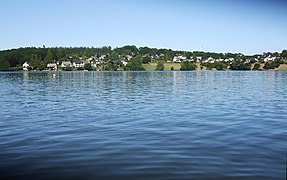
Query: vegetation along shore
point(132, 58)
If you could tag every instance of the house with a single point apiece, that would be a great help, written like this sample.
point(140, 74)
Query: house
point(102, 57)
point(183, 58)
point(124, 62)
point(199, 58)
point(247, 61)
point(66, 64)
point(78, 64)
point(210, 60)
point(154, 56)
point(175, 59)
point(190, 59)
point(99, 61)
point(92, 58)
point(52, 66)
point(269, 58)
point(229, 60)
point(25, 66)
point(179, 58)
point(129, 57)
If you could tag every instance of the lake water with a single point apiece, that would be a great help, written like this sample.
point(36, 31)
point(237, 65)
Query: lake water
point(143, 125)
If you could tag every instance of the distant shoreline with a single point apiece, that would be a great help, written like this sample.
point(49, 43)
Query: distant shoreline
point(132, 58)
point(167, 67)
point(281, 68)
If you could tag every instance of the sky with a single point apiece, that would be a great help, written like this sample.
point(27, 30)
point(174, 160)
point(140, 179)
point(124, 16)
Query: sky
point(245, 26)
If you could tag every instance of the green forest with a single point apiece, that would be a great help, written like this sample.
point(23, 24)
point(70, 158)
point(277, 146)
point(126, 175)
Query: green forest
point(133, 58)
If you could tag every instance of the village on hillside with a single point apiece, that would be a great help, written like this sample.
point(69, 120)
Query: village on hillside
point(133, 58)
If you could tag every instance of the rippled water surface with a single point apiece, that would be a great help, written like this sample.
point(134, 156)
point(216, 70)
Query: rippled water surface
point(143, 125)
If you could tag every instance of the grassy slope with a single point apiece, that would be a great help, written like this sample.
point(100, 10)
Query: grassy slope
point(167, 66)
point(282, 67)
point(176, 66)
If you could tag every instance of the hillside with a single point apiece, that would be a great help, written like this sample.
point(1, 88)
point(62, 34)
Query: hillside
point(133, 58)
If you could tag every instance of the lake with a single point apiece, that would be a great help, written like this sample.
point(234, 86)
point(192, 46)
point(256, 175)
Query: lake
point(143, 125)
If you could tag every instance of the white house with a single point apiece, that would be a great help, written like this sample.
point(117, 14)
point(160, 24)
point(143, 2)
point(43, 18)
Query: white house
point(78, 64)
point(52, 66)
point(190, 59)
point(92, 58)
point(124, 62)
point(129, 57)
point(229, 60)
point(210, 60)
point(98, 61)
point(175, 59)
point(66, 64)
point(25, 66)
point(269, 58)
point(199, 58)
point(247, 61)
point(102, 57)
point(182, 57)
point(179, 58)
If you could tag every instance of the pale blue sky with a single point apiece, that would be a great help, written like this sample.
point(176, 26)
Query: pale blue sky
point(210, 25)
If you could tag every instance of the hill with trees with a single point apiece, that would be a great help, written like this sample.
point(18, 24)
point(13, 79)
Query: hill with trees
point(133, 58)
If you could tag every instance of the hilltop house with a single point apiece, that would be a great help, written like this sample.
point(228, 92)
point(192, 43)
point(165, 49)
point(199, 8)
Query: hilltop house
point(25, 66)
